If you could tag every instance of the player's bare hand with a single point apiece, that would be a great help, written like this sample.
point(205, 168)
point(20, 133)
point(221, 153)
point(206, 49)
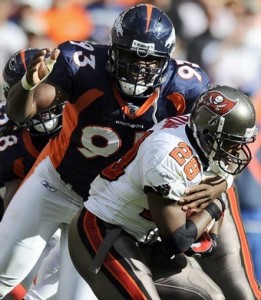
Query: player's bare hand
point(196, 198)
point(41, 65)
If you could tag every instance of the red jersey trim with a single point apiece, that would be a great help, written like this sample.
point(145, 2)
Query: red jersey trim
point(111, 263)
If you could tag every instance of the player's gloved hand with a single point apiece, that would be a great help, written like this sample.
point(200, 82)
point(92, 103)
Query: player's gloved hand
point(205, 246)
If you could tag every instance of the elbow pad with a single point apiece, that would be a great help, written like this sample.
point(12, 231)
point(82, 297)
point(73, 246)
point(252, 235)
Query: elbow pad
point(180, 240)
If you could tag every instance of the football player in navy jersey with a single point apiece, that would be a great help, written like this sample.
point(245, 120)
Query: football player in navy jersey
point(18, 152)
point(20, 146)
point(22, 143)
point(116, 92)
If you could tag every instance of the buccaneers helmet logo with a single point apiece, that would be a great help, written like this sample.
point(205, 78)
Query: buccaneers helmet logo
point(217, 103)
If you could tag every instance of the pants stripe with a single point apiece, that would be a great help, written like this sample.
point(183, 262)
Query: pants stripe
point(243, 241)
point(95, 237)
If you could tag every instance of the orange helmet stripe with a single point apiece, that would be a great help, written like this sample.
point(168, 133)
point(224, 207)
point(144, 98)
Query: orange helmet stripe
point(22, 54)
point(149, 13)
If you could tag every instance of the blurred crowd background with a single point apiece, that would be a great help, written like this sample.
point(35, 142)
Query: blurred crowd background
point(222, 36)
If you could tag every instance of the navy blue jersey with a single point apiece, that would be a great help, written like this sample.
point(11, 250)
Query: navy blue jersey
point(18, 151)
point(99, 123)
point(17, 155)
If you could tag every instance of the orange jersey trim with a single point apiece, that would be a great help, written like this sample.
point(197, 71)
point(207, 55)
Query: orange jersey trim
point(111, 263)
point(18, 167)
point(57, 147)
point(29, 145)
point(243, 242)
point(178, 101)
point(70, 119)
point(145, 106)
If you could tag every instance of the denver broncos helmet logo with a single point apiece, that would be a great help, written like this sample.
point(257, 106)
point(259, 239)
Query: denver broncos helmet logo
point(217, 103)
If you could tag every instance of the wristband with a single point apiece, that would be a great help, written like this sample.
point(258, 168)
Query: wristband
point(214, 211)
point(214, 236)
point(49, 65)
point(26, 86)
point(223, 206)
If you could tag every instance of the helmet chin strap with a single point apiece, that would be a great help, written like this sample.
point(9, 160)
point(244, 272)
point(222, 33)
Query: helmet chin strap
point(214, 164)
point(195, 135)
point(219, 129)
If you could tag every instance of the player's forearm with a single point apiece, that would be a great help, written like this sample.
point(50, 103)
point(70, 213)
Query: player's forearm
point(216, 227)
point(213, 212)
point(20, 103)
point(181, 239)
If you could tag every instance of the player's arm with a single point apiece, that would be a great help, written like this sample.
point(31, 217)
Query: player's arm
point(215, 182)
point(206, 244)
point(33, 94)
point(179, 232)
point(197, 197)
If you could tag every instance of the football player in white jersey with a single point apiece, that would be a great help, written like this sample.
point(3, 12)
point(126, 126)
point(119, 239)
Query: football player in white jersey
point(132, 236)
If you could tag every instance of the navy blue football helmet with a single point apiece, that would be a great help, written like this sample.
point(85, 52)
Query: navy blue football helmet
point(16, 67)
point(141, 43)
point(48, 121)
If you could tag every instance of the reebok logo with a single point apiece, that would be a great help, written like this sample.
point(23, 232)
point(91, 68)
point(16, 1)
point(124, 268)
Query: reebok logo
point(47, 185)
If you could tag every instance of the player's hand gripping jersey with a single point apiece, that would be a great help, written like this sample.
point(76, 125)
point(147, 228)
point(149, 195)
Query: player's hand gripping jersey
point(96, 129)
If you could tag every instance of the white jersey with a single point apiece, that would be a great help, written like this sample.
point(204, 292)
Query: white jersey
point(165, 162)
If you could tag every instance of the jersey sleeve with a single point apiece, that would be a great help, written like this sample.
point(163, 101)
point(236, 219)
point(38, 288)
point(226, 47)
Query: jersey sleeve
point(64, 68)
point(165, 179)
point(161, 173)
point(188, 80)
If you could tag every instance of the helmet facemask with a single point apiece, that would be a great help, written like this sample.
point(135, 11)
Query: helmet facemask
point(142, 41)
point(231, 152)
point(45, 123)
point(138, 73)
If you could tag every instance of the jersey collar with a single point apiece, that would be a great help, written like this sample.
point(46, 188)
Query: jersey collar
point(141, 110)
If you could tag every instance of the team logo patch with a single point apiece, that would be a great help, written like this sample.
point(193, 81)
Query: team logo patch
point(218, 104)
point(132, 109)
point(163, 189)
